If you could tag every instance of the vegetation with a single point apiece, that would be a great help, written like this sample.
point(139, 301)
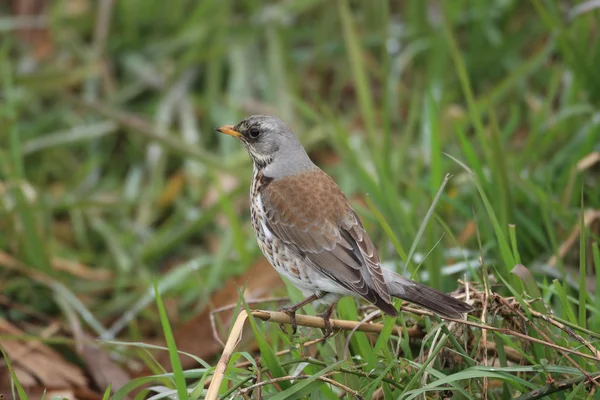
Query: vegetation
point(114, 187)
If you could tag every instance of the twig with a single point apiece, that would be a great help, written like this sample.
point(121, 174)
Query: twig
point(549, 319)
point(317, 322)
point(258, 379)
point(289, 378)
point(282, 318)
point(558, 386)
point(216, 311)
point(523, 336)
point(507, 331)
point(541, 333)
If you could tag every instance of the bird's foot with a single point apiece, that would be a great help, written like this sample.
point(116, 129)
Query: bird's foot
point(291, 311)
point(328, 330)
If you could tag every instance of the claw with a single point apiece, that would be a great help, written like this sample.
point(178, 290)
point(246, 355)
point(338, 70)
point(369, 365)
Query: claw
point(328, 330)
point(293, 318)
point(292, 314)
point(291, 311)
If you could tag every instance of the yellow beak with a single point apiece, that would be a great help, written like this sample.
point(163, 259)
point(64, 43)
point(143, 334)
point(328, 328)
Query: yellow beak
point(228, 130)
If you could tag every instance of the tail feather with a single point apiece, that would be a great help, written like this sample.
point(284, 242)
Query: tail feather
point(424, 296)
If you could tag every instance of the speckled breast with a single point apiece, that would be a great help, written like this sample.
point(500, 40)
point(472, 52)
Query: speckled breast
point(279, 255)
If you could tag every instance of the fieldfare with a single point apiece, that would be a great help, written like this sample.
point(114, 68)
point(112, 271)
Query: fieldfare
point(308, 231)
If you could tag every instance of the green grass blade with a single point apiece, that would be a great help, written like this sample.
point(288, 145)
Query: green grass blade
point(106, 395)
point(13, 376)
point(172, 346)
point(595, 323)
point(582, 267)
point(356, 60)
point(389, 232)
point(358, 343)
point(505, 251)
point(565, 304)
point(468, 374)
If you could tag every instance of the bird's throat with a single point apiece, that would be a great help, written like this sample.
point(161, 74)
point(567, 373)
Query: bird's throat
point(260, 162)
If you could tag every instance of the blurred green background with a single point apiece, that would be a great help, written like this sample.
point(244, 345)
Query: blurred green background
point(112, 177)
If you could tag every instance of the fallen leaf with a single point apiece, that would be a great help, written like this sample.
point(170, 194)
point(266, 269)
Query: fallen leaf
point(37, 364)
point(588, 161)
point(102, 369)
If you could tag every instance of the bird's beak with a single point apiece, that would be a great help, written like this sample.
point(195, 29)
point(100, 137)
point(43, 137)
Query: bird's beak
point(228, 130)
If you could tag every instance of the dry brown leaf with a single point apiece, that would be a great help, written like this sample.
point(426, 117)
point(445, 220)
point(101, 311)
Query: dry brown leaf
point(35, 360)
point(103, 370)
point(588, 161)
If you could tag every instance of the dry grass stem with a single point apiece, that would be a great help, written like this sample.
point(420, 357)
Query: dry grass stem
point(561, 349)
point(567, 330)
point(216, 311)
point(324, 378)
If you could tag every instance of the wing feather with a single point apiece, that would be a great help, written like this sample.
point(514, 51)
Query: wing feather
point(310, 213)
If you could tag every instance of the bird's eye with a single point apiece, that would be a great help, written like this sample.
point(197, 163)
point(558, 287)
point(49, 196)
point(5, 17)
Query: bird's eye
point(254, 133)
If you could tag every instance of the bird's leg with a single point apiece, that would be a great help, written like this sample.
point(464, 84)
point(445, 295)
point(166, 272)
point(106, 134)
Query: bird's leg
point(291, 310)
point(325, 315)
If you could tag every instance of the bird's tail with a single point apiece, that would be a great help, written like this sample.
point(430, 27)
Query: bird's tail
point(424, 296)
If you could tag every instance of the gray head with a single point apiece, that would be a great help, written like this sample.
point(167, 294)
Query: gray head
point(273, 147)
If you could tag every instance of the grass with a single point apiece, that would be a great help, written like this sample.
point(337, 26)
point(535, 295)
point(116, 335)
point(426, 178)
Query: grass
point(108, 158)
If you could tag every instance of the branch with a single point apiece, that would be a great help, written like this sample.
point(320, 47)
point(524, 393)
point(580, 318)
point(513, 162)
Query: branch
point(317, 322)
point(283, 318)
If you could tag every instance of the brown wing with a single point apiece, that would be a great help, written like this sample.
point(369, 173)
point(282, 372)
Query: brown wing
point(310, 213)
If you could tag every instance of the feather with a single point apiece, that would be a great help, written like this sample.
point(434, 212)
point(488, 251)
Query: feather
point(326, 233)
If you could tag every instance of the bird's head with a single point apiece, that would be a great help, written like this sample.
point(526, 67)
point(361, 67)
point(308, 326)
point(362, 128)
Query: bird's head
point(272, 145)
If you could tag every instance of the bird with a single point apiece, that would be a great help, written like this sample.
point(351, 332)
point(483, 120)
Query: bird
point(308, 231)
